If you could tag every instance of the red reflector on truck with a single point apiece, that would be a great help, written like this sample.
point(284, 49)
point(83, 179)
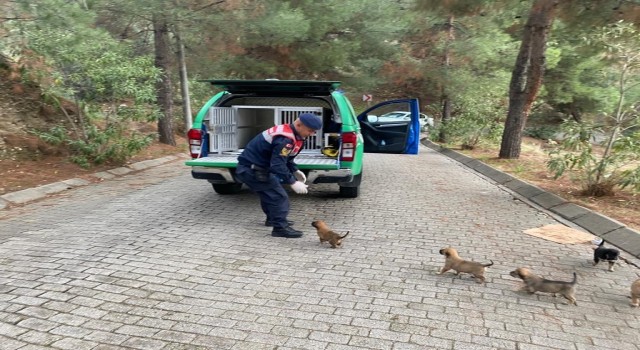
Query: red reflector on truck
point(195, 142)
point(348, 146)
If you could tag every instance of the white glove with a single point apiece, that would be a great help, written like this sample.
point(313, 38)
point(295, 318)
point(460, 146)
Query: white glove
point(300, 176)
point(299, 187)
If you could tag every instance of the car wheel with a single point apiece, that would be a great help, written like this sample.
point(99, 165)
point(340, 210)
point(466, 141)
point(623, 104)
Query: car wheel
point(227, 188)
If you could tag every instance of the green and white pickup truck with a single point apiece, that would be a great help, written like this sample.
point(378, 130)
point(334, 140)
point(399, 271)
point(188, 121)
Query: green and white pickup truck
point(245, 108)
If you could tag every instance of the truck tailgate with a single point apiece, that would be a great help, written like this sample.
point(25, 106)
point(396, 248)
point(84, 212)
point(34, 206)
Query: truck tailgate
point(307, 159)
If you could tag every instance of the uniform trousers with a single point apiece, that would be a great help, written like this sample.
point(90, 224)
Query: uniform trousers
point(274, 200)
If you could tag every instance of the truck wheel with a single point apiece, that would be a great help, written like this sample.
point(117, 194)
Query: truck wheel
point(227, 188)
point(349, 192)
point(351, 189)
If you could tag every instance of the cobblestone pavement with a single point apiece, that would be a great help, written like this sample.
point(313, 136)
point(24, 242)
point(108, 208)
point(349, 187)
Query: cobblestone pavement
point(157, 260)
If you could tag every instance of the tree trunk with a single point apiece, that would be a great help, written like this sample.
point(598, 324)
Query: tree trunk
point(184, 84)
point(446, 102)
point(163, 86)
point(527, 74)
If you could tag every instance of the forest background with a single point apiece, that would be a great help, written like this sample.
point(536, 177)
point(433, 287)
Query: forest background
point(548, 90)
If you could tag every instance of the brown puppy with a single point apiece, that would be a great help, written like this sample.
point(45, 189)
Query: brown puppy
point(454, 262)
point(534, 283)
point(328, 235)
point(635, 293)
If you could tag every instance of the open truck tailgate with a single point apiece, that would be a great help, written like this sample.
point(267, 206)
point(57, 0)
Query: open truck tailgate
point(307, 159)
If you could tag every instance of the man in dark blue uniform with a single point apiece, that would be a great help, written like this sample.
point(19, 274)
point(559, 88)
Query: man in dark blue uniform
point(266, 164)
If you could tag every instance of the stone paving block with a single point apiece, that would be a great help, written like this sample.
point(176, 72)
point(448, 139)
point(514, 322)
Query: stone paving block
point(494, 174)
point(456, 156)
point(39, 338)
point(73, 344)
point(625, 238)
point(23, 196)
point(104, 175)
point(7, 343)
point(430, 342)
point(38, 324)
point(597, 223)
point(173, 157)
point(528, 191)
point(11, 331)
point(434, 146)
point(468, 161)
point(54, 187)
point(547, 200)
point(76, 182)
point(120, 171)
point(145, 164)
point(570, 211)
point(515, 184)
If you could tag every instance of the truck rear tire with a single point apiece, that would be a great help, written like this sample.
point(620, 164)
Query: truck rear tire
point(349, 192)
point(352, 189)
point(227, 188)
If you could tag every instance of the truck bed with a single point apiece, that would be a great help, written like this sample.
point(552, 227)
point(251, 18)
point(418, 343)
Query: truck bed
point(306, 159)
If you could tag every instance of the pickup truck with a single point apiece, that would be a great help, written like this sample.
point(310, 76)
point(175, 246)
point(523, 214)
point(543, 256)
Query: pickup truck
point(245, 108)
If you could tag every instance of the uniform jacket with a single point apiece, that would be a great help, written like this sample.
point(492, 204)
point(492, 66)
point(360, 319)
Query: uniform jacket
point(275, 149)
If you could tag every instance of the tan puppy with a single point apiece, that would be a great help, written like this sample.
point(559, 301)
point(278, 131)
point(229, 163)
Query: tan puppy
point(635, 293)
point(534, 283)
point(328, 235)
point(454, 262)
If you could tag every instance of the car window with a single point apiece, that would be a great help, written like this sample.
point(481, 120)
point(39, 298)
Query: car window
point(394, 117)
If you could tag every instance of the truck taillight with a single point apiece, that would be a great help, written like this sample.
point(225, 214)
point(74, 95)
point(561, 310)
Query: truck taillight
point(195, 142)
point(348, 146)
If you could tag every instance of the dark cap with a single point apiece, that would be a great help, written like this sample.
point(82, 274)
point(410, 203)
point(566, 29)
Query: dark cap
point(311, 120)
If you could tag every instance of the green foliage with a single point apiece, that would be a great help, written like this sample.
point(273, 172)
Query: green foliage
point(470, 130)
point(280, 26)
point(98, 55)
point(111, 145)
point(304, 39)
point(544, 132)
point(109, 85)
point(474, 81)
point(478, 108)
point(96, 71)
point(586, 79)
point(599, 174)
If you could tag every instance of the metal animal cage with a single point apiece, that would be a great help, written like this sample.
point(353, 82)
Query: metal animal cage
point(231, 128)
point(223, 129)
point(288, 115)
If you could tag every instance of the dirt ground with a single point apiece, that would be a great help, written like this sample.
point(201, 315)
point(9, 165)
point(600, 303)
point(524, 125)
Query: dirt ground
point(624, 206)
point(21, 172)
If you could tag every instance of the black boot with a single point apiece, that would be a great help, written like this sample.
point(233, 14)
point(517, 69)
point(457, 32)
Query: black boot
point(286, 232)
point(270, 224)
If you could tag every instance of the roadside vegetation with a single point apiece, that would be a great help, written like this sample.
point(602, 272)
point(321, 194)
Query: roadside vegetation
point(489, 71)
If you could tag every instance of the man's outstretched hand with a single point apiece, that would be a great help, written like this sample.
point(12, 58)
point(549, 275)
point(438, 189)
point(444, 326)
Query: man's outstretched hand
point(300, 176)
point(299, 187)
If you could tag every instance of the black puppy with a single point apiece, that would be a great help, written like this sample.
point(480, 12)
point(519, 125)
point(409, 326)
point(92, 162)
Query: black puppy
point(609, 255)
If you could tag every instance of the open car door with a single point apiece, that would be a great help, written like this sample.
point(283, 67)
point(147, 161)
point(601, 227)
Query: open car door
point(391, 127)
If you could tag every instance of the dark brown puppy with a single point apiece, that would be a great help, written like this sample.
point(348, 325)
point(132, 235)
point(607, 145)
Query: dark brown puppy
point(454, 262)
point(534, 283)
point(635, 293)
point(328, 235)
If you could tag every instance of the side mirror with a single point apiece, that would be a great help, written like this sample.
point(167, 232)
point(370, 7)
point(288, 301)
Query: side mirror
point(372, 118)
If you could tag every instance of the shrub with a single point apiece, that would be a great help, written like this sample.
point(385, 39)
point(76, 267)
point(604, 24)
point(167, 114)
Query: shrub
point(544, 132)
point(600, 173)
